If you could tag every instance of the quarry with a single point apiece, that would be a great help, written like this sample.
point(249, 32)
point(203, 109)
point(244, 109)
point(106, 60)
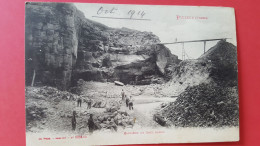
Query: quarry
point(71, 59)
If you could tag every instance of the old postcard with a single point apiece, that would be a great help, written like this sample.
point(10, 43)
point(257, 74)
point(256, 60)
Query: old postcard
point(102, 74)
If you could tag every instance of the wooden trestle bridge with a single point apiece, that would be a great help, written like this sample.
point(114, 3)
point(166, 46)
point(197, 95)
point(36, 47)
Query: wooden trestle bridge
point(192, 41)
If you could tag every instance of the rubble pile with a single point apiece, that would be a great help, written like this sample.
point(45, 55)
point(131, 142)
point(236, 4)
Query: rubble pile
point(47, 92)
point(111, 119)
point(103, 103)
point(113, 106)
point(99, 104)
point(190, 72)
point(205, 105)
point(34, 113)
point(41, 103)
point(218, 64)
point(50, 108)
point(114, 118)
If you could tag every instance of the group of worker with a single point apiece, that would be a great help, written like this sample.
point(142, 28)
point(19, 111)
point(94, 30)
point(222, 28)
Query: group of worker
point(79, 101)
point(90, 123)
point(128, 100)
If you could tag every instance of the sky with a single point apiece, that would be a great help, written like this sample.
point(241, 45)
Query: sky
point(162, 21)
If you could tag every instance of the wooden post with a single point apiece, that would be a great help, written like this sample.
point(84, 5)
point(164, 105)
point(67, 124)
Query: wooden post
point(34, 74)
point(204, 47)
point(183, 52)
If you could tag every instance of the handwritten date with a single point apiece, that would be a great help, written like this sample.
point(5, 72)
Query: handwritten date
point(131, 14)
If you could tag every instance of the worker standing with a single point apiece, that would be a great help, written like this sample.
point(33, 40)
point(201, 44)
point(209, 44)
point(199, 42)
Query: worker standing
point(127, 101)
point(131, 103)
point(91, 124)
point(123, 95)
point(89, 103)
point(73, 120)
point(79, 101)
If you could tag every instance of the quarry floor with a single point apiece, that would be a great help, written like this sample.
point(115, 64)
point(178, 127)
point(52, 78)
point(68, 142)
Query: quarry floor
point(146, 103)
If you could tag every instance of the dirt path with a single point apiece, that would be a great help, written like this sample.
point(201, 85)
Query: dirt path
point(145, 100)
point(144, 109)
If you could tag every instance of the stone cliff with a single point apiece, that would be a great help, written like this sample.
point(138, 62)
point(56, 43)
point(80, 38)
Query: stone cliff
point(63, 46)
point(51, 42)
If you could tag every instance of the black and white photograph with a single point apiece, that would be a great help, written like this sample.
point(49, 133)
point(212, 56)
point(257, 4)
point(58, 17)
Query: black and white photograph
point(102, 74)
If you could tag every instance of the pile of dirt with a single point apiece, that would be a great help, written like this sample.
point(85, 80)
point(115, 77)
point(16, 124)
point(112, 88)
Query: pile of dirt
point(41, 104)
point(187, 73)
point(111, 120)
point(223, 58)
point(218, 64)
point(99, 104)
point(210, 90)
point(34, 113)
point(114, 117)
point(205, 105)
point(109, 104)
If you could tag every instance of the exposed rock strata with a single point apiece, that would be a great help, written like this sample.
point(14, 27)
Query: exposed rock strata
point(63, 46)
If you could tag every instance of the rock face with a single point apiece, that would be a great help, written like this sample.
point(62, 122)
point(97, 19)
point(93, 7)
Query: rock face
point(51, 42)
point(63, 46)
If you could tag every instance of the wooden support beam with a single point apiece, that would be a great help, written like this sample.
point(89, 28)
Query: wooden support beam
point(183, 52)
point(204, 47)
point(34, 74)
